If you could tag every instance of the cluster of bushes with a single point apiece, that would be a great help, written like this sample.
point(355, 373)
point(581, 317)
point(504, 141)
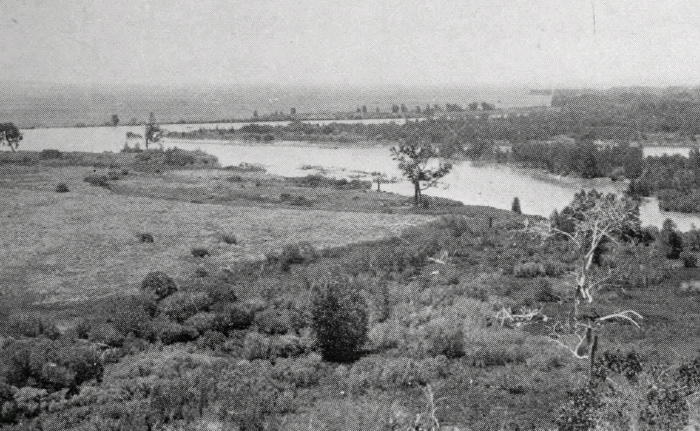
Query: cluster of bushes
point(323, 181)
point(296, 200)
point(624, 394)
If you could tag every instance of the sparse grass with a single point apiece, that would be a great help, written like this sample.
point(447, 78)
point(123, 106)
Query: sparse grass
point(85, 255)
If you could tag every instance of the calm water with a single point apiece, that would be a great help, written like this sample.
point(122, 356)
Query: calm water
point(476, 184)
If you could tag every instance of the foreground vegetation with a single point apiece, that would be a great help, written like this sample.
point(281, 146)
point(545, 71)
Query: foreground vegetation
point(415, 328)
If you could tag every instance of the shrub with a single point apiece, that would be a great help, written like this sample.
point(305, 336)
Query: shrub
point(339, 317)
point(236, 316)
point(182, 305)
point(302, 252)
point(170, 332)
point(145, 237)
point(273, 321)
point(50, 154)
point(199, 252)
point(529, 270)
point(133, 315)
point(158, 284)
point(97, 180)
point(25, 325)
point(207, 321)
point(106, 333)
point(544, 292)
point(689, 259)
point(62, 188)
point(581, 410)
point(256, 346)
point(445, 337)
point(114, 175)
point(229, 239)
point(211, 340)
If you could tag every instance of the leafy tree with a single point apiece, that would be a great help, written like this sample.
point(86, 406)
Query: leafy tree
point(339, 317)
point(516, 206)
point(671, 240)
point(153, 132)
point(10, 136)
point(473, 106)
point(414, 157)
point(115, 120)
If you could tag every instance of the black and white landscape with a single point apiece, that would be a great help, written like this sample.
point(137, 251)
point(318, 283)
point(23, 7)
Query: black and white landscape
point(364, 215)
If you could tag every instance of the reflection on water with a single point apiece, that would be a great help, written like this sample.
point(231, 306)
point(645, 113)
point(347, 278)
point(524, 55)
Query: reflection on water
point(474, 184)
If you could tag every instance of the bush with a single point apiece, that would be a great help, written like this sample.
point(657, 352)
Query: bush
point(133, 315)
point(339, 317)
point(158, 284)
point(445, 337)
point(529, 270)
point(302, 252)
point(145, 237)
point(207, 321)
point(97, 180)
point(114, 175)
point(50, 154)
point(182, 305)
point(62, 188)
point(211, 340)
point(236, 317)
point(170, 332)
point(689, 259)
point(273, 321)
point(106, 333)
point(25, 325)
point(256, 346)
point(229, 239)
point(199, 252)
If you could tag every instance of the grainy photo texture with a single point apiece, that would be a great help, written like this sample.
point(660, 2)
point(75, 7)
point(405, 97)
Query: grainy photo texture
point(396, 215)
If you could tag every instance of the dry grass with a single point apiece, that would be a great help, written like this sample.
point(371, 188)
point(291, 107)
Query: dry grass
point(85, 244)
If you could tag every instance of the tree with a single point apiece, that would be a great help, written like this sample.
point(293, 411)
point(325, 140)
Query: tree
point(339, 317)
point(153, 132)
point(516, 206)
point(293, 111)
point(596, 219)
point(584, 158)
point(473, 106)
point(671, 240)
point(414, 157)
point(10, 136)
point(115, 120)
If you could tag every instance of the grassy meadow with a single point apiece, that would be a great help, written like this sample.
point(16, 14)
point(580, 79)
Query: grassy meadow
point(229, 335)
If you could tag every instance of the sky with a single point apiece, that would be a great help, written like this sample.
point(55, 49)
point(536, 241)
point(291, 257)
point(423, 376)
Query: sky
point(544, 43)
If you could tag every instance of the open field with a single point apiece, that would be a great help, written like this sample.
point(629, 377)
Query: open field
point(85, 243)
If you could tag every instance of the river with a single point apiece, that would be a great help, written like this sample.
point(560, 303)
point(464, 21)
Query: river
point(471, 183)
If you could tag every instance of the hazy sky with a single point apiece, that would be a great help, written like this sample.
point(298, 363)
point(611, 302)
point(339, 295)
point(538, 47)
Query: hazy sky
point(352, 42)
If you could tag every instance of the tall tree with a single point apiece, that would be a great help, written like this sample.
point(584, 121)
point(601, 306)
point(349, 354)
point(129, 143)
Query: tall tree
point(115, 120)
point(515, 207)
point(414, 157)
point(153, 131)
point(10, 136)
point(671, 240)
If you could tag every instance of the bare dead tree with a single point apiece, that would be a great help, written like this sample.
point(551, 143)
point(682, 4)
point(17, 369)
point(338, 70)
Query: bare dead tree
point(605, 219)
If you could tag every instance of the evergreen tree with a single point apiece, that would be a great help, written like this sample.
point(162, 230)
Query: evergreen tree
point(516, 206)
